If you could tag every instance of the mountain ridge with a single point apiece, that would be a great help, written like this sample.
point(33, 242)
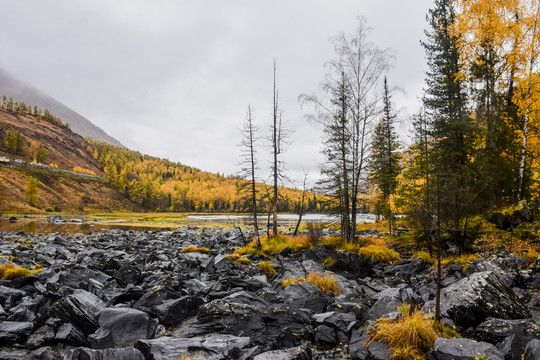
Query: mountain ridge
point(22, 92)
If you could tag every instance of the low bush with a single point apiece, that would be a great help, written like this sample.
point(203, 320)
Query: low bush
point(267, 267)
point(192, 248)
point(327, 283)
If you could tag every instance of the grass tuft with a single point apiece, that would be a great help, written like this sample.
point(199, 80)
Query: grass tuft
point(379, 252)
point(238, 259)
point(276, 244)
point(464, 260)
point(10, 271)
point(267, 267)
point(411, 336)
point(327, 283)
point(191, 248)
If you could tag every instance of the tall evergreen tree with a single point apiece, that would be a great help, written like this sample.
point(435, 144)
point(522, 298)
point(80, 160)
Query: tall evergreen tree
point(384, 165)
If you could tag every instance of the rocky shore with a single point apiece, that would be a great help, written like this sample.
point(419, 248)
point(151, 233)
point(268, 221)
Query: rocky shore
point(136, 295)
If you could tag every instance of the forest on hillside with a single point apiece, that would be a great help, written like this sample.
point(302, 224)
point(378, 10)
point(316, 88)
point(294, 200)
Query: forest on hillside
point(162, 185)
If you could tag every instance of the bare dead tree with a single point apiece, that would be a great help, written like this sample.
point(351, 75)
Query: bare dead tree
point(302, 201)
point(250, 166)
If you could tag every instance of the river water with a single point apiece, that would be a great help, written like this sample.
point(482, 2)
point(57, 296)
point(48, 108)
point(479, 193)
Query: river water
point(40, 224)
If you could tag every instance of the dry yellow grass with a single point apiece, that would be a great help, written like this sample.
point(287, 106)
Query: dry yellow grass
point(267, 267)
point(464, 260)
point(378, 251)
point(192, 248)
point(238, 259)
point(327, 283)
point(276, 244)
point(10, 271)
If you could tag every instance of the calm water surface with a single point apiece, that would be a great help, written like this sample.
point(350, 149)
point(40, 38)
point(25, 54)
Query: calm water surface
point(39, 224)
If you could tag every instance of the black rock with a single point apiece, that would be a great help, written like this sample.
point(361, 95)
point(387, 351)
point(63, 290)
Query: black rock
point(14, 331)
point(296, 353)
point(352, 264)
point(305, 296)
point(172, 312)
point(126, 326)
point(210, 347)
point(532, 350)
point(69, 334)
point(463, 349)
point(80, 309)
point(127, 275)
point(496, 330)
point(325, 336)
point(473, 299)
point(105, 354)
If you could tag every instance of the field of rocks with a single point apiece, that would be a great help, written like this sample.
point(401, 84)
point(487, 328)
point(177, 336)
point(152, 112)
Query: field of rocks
point(136, 295)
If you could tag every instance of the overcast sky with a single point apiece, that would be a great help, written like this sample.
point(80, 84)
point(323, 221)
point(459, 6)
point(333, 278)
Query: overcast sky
point(173, 78)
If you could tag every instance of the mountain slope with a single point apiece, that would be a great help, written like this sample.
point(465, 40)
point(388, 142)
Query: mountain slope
point(11, 87)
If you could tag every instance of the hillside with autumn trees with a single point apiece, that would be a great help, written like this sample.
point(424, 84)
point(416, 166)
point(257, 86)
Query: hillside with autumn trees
point(57, 162)
point(162, 185)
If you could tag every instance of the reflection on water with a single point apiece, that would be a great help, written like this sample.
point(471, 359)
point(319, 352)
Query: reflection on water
point(32, 226)
point(28, 224)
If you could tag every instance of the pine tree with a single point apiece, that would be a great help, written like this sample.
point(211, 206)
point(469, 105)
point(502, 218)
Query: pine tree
point(384, 164)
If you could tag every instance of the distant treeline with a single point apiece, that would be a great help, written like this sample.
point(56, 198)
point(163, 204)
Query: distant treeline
point(161, 185)
point(22, 109)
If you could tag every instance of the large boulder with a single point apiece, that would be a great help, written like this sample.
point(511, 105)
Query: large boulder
point(80, 309)
point(463, 349)
point(532, 350)
point(209, 347)
point(351, 264)
point(172, 312)
point(504, 264)
point(305, 295)
point(14, 331)
point(473, 299)
point(105, 354)
point(496, 330)
point(296, 353)
point(125, 326)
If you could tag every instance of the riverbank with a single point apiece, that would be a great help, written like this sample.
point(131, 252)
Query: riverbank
point(142, 295)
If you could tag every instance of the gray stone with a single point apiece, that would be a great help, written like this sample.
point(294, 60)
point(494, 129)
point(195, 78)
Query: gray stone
point(473, 299)
point(463, 349)
point(127, 325)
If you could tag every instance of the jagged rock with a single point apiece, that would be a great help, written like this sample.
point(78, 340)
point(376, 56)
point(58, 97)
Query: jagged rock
point(210, 347)
point(505, 265)
point(14, 331)
point(127, 325)
point(296, 353)
point(12, 354)
point(511, 347)
point(358, 344)
point(172, 312)
point(325, 336)
point(155, 296)
point(305, 296)
point(105, 354)
point(495, 330)
point(462, 349)
point(532, 350)
point(473, 299)
point(69, 334)
point(127, 275)
point(318, 254)
point(341, 323)
point(351, 264)
point(40, 337)
point(80, 309)
point(44, 353)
